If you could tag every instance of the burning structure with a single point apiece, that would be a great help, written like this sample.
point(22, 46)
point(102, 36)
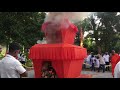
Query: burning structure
point(65, 57)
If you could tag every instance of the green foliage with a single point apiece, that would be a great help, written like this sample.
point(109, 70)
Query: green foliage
point(105, 33)
point(1, 56)
point(22, 27)
point(29, 63)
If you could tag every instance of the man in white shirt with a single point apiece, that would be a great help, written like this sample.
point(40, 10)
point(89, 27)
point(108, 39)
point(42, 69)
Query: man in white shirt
point(10, 67)
point(97, 62)
point(117, 70)
point(102, 63)
point(88, 59)
point(106, 59)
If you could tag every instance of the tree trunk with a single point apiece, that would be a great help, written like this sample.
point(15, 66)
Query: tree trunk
point(99, 49)
point(23, 49)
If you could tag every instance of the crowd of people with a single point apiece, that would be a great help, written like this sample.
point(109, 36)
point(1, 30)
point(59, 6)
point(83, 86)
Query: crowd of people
point(98, 61)
point(104, 61)
point(11, 64)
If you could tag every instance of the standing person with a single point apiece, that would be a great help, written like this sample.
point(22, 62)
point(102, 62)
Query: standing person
point(92, 60)
point(23, 59)
point(102, 63)
point(97, 63)
point(106, 59)
point(10, 67)
point(114, 60)
point(88, 58)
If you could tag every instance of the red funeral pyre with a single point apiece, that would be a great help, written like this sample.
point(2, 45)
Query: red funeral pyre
point(66, 58)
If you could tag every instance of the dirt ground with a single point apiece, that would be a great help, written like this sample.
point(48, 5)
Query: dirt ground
point(95, 74)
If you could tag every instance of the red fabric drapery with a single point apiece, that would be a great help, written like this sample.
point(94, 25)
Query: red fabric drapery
point(66, 59)
point(68, 69)
point(57, 52)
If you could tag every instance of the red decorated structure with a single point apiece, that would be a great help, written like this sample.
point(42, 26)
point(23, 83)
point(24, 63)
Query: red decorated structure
point(66, 58)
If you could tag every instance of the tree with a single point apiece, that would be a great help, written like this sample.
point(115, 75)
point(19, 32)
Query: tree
point(22, 27)
point(104, 29)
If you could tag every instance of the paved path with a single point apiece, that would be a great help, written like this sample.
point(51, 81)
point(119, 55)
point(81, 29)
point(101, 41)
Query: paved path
point(31, 74)
point(94, 74)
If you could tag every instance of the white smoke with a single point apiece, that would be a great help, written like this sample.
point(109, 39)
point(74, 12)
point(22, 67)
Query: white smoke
point(58, 17)
point(57, 21)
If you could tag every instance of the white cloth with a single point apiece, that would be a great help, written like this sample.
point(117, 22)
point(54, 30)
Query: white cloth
point(117, 70)
point(88, 59)
point(19, 57)
point(97, 64)
point(10, 67)
point(23, 59)
point(106, 58)
point(101, 59)
point(93, 60)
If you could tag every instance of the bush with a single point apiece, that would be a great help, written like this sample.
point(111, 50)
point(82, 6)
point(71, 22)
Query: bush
point(29, 63)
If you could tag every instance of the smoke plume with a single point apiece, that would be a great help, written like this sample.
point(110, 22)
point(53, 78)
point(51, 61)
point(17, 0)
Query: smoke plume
point(56, 21)
point(58, 17)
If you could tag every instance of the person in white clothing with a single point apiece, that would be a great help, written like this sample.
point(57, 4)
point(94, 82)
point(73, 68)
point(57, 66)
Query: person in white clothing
point(106, 59)
point(10, 67)
point(22, 59)
point(102, 63)
point(97, 62)
point(117, 70)
point(92, 60)
point(88, 59)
